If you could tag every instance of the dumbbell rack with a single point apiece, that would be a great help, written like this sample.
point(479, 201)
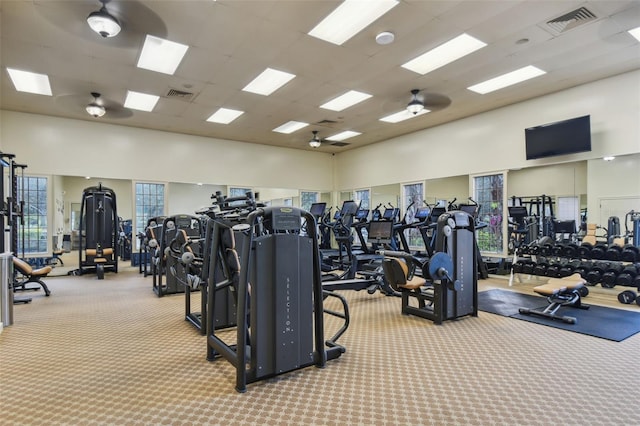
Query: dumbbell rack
point(604, 264)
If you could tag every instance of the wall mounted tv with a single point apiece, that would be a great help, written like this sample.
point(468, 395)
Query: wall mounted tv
point(559, 138)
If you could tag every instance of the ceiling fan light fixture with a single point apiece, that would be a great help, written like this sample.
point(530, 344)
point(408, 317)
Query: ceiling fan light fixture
point(415, 106)
point(315, 141)
point(103, 23)
point(95, 110)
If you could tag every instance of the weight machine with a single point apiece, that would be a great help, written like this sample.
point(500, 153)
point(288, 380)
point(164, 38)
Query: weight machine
point(450, 289)
point(98, 250)
point(280, 324)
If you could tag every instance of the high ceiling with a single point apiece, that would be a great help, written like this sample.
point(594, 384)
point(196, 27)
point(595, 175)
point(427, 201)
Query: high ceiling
point(232, 41)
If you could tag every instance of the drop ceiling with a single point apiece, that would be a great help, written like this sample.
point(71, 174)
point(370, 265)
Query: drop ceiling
point(231, 42)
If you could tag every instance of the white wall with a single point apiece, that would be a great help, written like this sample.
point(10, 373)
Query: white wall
point(617, 179)
point(58, 146)
point(187, 198)
point(558, 179)
point(447, 189)
point(494, 141)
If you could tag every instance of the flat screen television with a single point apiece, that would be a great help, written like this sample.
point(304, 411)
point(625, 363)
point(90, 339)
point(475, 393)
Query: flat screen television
point(559, 138)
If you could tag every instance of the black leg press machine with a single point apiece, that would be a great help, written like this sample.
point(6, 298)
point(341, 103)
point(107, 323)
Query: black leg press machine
point(448, 287)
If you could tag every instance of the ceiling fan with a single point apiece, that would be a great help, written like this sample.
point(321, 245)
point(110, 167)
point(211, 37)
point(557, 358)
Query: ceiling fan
point(94, 105)
point(315, 141)
point(421, 99)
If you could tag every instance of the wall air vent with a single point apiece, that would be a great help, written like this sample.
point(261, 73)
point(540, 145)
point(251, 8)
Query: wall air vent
point(569, 21)
point(179, 94)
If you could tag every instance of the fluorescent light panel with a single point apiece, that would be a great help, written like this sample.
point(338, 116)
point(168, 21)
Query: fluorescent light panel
point(402, 115)
point(350, 98)
point(343, 135)
point(635, 32)
point(348, 19)
point(290, 127)
point(161, 55)
point(225, 116)
point(268, 82)
point(30, 82)
point(140, 101)
point(507, 79)
point(444, 54)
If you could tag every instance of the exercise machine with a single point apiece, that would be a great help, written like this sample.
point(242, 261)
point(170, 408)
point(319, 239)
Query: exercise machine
point(559, 293)
point(450, 289)
point(98, 250)
point(174, 271)
point(280, 324)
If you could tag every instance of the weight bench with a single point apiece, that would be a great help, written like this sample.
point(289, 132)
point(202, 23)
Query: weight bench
point(560, 292)
point(30, 275)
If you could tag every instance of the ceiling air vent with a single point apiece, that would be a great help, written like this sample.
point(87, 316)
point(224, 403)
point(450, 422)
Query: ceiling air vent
point(340, 144)
point(570, 20)
point(179, 94)
point(326, 122)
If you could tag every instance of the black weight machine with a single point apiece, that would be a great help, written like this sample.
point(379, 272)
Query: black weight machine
point(214, 267)
point(450, 289)
point(174, 271)
point(280, 324)
point(98, 251)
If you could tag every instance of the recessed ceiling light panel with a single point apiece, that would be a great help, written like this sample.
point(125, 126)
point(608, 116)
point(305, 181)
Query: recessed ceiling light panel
point(140, 101)
point(290, 127)
point(507, 79)
point(30, 82)
point(268, 82)
point(402, 115)
point(161, 55)
point(348, 19)
point(444, 54)
point(224, 116)
point(343, 135)
point(635, 33)
point(350, 98)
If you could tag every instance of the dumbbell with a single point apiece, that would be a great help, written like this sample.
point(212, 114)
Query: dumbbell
point(583, 269)
point(553, 270)
point(540, 268)
point(569, 268)
point(614, 252)
point(594, 276)
point(609, 276)
point(546, 249)
point(517, 267)
point(584, 251)
point(628, 297)
point(557, 250)
point(570, 250)
point(626, 277)
point(630, 253)
point(599, 251)
point(527, 267)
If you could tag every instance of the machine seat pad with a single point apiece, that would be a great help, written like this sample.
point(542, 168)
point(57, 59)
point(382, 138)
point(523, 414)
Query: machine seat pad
point(27, 270)
point(560, 285)
point(414, 283)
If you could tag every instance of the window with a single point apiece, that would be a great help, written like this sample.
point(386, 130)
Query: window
point(412, 198)
point(362, 196)
point(32, 235)
point(149, 203)
point(307, 199)
point(488, 192)
point(238, 192)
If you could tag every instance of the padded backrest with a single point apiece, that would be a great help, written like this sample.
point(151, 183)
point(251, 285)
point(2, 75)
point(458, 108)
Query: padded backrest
point(22, 266)
point(395, 271)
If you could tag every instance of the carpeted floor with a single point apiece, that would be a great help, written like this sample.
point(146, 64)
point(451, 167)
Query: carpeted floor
point(109, 352)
